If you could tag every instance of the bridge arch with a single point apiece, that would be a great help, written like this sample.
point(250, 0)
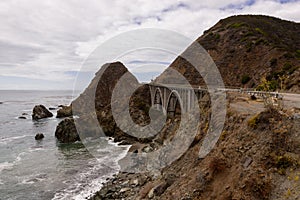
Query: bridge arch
point(174, 104)
point(158, 97)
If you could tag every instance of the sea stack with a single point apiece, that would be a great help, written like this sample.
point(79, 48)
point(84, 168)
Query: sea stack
point(40, 112)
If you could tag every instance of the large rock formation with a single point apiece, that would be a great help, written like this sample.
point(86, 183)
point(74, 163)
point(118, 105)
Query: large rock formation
point(40, 112)
point(66, 131)
point(97, 99)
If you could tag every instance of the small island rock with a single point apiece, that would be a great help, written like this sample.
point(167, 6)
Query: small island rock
point(64, 111)
point(39, 136)
point(66, 131)
point(40, 112)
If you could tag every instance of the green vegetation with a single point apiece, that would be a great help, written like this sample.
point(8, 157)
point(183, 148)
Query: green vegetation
point(215, 36)
point(287, 66)
point(288, 55)
point(248, 46)
point(250, 33)
point(268, 85)
point(245, 79)
point(253, 122)
point(284, 162)
point(238, 25)
point(261, 41)
point(260, 31)
point(273, 61)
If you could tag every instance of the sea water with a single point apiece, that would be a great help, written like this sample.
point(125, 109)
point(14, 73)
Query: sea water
point(46, 169)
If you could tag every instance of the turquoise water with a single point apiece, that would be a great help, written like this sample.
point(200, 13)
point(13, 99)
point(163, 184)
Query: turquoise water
point(46, 169)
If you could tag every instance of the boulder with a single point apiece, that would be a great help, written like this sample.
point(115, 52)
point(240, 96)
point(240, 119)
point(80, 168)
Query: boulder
point(66, 131)
point(21, 117)
point(40, 112)
point(39, 136)
point(65, 111)
point(51, 108)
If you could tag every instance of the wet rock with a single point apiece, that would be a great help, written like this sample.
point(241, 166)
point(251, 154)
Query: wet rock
point(51, 108)
point(40, 112)
point(22, 117)
point(64, 111)
point(66, 131)
point(39, 136)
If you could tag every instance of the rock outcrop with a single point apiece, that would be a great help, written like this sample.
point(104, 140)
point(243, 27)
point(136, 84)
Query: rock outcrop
point(65, 111)
point(39, 136)
point(40, 112)
point(66, 131)
point(99, 94)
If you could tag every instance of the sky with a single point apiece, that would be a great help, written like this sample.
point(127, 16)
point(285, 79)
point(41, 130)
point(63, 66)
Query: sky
point(43, 44)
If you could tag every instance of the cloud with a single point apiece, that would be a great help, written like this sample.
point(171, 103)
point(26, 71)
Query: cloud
point(46, 40)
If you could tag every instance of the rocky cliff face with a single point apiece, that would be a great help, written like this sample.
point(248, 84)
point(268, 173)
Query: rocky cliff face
point(247, 48)
point(96, 101)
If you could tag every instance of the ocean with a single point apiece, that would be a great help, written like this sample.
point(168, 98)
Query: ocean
point(46, 169)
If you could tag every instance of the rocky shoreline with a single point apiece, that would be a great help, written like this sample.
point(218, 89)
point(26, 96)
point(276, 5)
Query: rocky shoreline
point(247, 157)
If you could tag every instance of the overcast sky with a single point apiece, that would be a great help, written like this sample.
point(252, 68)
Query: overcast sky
point(43, 43)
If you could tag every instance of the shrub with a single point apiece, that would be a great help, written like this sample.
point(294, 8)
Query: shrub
point(217, 36)
point(287, 66)
point(238, 25)
point(248, 46)
point(260, 41)
point(273, 85)
point(285, 161)
point(260, 31)
point(249, 34)
point(245, 79)
point(253, 122)
point(273, 61)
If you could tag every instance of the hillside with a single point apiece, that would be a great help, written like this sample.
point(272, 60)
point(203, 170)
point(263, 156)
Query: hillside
point(248, 48)
point(257, 155)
